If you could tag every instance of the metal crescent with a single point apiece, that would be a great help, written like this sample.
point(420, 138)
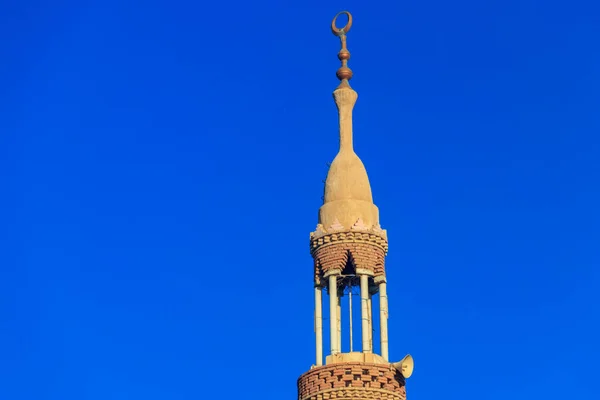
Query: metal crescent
point(341, 31)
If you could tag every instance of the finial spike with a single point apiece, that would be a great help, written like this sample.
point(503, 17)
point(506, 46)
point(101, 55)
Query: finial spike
point(344, 73)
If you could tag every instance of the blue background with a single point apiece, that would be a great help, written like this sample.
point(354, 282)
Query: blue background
point(162, 167)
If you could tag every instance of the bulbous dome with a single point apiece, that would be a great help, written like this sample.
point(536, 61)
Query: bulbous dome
point(348, 197)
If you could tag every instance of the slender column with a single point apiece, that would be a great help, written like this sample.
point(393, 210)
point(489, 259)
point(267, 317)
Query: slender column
point(370, 310)
point(350, 314)
point(383, 317)
point(319, 324)
point(339, 322)
point(332, 314)
point(364, 301)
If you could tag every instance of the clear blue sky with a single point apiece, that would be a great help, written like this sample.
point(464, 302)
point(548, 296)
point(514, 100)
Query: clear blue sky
point(146, 222)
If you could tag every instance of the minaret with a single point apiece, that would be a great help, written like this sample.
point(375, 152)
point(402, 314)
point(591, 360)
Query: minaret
point(349, 249)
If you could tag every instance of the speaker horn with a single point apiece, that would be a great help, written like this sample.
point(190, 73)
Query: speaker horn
point(405, 366)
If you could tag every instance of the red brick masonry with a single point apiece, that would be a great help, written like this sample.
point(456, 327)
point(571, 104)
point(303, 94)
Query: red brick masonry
point(361, 255)
point(352, 381)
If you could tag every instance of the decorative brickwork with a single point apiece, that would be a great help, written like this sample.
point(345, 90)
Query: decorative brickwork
point(364, 247)
point(358, 237)
point(352, 381)
point(358, 232)
point(335, 256)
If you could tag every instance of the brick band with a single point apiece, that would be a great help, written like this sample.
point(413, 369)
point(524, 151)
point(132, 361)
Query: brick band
point(318, 240)
point(336, 256)
point(352, 381)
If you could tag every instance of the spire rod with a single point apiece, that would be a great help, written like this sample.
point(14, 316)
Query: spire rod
point(344, 73)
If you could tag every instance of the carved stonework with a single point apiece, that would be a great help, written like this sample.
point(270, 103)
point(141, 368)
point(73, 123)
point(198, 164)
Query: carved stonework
point(336, 226)
point(359, 225)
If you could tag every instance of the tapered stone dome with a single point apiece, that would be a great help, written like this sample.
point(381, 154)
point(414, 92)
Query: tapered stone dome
point(348, 197)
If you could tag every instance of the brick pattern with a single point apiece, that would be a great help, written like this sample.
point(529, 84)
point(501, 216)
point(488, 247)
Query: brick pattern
point(321, 238)
point(335, 256)
point(352, 381)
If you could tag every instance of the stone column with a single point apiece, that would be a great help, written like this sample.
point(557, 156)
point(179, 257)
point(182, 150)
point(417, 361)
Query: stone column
point(332, 314)
point(370, 314)
point(364, 301)
point(339, 322)
point(383, 317)
point(350, 338)
point(319, 324)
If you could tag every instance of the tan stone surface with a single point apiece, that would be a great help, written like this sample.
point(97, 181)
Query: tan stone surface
point(356, 356)
point(347, 189)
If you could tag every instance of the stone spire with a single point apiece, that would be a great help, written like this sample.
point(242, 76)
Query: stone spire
point(348, 196)
point(349, 249)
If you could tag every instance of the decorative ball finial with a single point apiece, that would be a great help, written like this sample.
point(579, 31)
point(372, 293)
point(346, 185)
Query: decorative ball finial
point(344, 73)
